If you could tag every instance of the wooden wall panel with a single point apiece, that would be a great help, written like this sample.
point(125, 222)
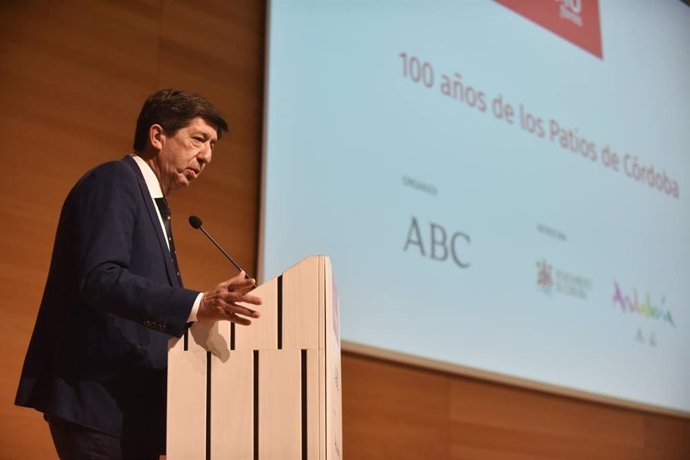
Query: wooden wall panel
point(68, 86)
point(73, 75)
point(393, 412)
point(457, 417)
point(217, 51)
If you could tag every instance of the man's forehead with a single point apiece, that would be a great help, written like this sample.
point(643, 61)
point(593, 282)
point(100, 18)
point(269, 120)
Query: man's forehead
point(202, 125)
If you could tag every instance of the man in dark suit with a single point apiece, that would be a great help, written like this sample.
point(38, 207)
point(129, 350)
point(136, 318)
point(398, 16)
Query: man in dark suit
point(96, 363)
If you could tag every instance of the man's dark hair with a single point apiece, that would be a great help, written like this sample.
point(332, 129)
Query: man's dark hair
point(173, 109)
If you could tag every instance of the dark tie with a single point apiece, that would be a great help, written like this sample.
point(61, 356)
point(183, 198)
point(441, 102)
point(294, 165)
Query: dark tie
point(164, 209)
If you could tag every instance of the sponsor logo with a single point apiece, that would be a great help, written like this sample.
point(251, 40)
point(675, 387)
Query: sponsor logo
point(633, 304)
point(574, 20)
point(550, 280)
point(544, 276)
point(442, 245)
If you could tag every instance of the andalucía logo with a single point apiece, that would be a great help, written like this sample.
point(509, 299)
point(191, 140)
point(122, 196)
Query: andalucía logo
point(574, 20)
point(644, 308)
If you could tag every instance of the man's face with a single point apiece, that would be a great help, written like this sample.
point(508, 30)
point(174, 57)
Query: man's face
point(182, 156)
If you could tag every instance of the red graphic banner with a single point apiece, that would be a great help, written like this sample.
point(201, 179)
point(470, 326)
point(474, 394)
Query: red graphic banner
point(575, 20)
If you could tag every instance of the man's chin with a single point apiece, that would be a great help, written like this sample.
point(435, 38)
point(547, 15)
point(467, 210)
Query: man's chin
point(188, 176)
point(179, 185)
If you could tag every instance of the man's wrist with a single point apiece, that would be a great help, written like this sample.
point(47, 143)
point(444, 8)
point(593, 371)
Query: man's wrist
point(195, 308)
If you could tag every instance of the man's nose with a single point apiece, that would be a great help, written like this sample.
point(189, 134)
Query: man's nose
point(204, 156)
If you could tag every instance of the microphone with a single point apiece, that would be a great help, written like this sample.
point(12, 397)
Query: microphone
point(197, 224)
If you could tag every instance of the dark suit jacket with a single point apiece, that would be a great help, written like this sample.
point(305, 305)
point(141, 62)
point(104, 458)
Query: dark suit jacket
point(98, 354)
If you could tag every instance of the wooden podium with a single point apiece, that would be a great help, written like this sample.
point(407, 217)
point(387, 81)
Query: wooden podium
point(274, 392)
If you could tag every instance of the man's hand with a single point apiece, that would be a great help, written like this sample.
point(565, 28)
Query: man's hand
point(221, 302)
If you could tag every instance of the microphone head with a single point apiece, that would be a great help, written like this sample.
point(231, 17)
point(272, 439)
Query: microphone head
point(195, 222)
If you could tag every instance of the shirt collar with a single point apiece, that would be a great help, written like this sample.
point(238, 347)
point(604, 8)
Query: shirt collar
point(149, 177)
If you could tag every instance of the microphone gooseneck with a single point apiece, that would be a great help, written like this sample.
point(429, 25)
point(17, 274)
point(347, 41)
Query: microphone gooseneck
point(197, 224)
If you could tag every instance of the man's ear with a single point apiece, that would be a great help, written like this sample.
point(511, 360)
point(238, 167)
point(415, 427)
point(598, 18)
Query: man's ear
point(156, 136)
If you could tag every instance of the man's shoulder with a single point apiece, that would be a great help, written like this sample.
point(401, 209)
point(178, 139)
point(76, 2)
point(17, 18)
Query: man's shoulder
point(111, 177)
point(110, 172)
point(115, 168)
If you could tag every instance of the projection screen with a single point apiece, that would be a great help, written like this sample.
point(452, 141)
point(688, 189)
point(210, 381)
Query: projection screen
point(502, 186)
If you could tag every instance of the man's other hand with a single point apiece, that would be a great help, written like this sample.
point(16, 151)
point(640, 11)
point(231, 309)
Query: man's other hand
point(222, 302)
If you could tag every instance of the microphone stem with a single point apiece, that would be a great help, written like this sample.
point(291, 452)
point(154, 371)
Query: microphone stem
point(223, 251)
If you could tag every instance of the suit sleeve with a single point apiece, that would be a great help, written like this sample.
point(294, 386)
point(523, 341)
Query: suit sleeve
point(107, 207)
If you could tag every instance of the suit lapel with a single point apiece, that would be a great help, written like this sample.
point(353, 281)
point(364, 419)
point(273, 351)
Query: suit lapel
point(153, 217)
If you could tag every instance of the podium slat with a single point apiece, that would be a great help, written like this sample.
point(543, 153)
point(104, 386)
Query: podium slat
point(301, 305)
point(280, 426)
point(232, 395)
point(262, 334)
point(186, 403)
